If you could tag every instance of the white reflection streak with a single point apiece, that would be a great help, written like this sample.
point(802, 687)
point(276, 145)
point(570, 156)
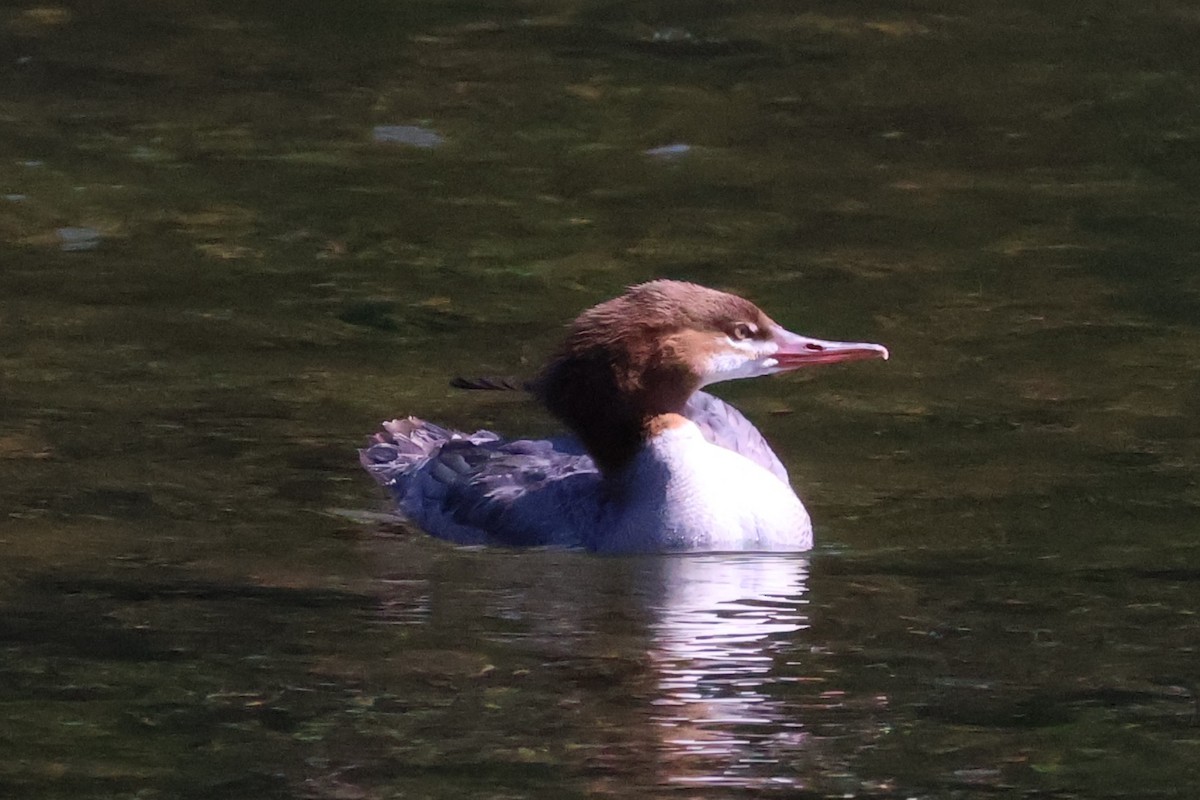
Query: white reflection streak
point(718, 624)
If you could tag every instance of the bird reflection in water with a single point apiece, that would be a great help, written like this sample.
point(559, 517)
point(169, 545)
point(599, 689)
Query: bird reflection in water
point(683, 669)
point(722, 627)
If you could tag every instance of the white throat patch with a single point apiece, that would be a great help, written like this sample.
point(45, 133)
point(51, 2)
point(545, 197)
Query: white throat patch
point(748, 358)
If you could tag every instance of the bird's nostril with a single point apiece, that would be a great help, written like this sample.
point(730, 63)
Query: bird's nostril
point(811, 346)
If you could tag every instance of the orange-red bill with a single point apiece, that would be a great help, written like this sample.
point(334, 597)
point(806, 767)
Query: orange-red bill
point(797, 351)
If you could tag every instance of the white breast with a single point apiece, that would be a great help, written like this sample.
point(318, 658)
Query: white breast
point(683, 493)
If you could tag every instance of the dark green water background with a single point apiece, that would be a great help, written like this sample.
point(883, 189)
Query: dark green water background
point(1005, 597)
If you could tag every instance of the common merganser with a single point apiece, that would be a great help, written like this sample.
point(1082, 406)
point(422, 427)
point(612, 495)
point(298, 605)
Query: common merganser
point(657, 465)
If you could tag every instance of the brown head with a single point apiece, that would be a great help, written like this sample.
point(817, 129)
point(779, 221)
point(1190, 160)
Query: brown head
point(628, 361)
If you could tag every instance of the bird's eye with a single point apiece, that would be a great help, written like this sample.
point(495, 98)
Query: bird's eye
point(744, 330)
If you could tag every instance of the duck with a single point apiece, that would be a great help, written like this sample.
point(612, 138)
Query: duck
point(651, 463)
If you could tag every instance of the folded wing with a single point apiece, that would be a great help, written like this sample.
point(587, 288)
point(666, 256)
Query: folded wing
point(480, 489)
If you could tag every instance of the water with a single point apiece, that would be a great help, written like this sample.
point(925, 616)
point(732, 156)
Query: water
point(1004, 597)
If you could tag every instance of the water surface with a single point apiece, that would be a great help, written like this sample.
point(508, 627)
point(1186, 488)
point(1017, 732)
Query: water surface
point(234, 237)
